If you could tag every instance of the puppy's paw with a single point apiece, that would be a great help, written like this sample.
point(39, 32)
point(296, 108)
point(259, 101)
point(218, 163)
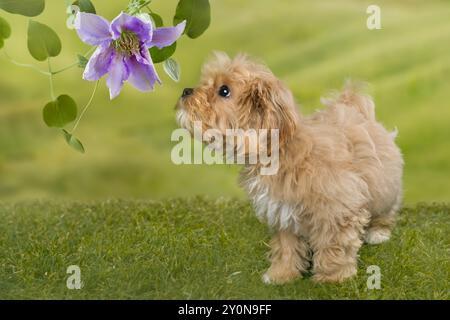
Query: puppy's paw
point(280, 275)
point(338, 276)
point(377, 236)
point(266, 279)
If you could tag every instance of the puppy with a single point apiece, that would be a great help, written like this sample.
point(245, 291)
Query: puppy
point(339, 180)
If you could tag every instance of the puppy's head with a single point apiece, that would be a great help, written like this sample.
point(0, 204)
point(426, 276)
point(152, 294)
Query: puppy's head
point(238, 94)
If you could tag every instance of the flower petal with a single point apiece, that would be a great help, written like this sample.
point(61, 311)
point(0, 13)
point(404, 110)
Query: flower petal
point(92, 29)
point(142, 73)
point(164, 37)
point(125, 22)
point(98, 64)
point(118, 74)
point(143, 56)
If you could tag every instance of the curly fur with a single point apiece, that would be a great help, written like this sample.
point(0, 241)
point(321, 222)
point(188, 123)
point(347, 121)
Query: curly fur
point(340, 175)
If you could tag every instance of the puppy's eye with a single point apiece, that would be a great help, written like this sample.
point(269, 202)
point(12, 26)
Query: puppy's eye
point(224, 91)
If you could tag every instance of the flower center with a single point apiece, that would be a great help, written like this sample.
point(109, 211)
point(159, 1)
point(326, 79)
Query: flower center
point(127, 44)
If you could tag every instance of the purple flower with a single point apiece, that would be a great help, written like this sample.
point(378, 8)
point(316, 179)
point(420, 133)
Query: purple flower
point(122, 49)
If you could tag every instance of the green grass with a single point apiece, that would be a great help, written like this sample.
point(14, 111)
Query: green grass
point(312, 45)
point(195, 249)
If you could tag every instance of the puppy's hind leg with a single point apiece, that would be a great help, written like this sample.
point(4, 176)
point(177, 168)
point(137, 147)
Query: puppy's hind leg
point(289, 258)
point(381, 225)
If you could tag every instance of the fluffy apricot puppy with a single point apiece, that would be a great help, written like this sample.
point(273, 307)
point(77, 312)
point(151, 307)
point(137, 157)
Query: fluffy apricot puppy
point(339, 180)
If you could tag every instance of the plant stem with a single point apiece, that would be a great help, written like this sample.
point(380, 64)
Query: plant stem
point(75, 63)
point(140, 7)
point(35, 68)
point(25, 65)
point(145, 4)
point(65, 68)
point(85, 108)
point(52, 92)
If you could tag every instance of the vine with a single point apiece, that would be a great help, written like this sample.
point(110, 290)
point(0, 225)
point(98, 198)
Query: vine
point(124, 50)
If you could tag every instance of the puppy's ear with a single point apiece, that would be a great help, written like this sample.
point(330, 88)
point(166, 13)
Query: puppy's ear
point(272, 105)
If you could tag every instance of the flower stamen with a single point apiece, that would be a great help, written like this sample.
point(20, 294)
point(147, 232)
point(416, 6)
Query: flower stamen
point(127, 44)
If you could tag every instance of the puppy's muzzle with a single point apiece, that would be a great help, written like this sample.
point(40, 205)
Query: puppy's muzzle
point(187, 92)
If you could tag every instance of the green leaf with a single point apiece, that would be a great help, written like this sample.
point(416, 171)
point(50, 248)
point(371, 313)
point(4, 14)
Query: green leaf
point(82, 61)
point(43, 42)
point(73, 142)
point(85, 6)
point(197, 13)
point(5, 29)
point(60, 112)
point(172, 68)
point(160, 55)
point(157, 20)
point(1, 43)
point(29, 8)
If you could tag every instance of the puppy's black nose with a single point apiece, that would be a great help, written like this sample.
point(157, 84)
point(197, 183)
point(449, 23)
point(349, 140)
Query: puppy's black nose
point(187, 92)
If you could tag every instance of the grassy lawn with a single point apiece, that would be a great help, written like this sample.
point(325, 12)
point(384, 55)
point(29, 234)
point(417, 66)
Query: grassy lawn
point(196, 248)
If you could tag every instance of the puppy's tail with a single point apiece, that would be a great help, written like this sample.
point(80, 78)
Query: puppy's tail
point(352, 96)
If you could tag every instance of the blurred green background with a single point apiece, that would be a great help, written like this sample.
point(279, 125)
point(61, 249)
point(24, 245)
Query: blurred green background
point(312, 45)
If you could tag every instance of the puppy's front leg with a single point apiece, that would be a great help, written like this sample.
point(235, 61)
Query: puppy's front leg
point(289, 257)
